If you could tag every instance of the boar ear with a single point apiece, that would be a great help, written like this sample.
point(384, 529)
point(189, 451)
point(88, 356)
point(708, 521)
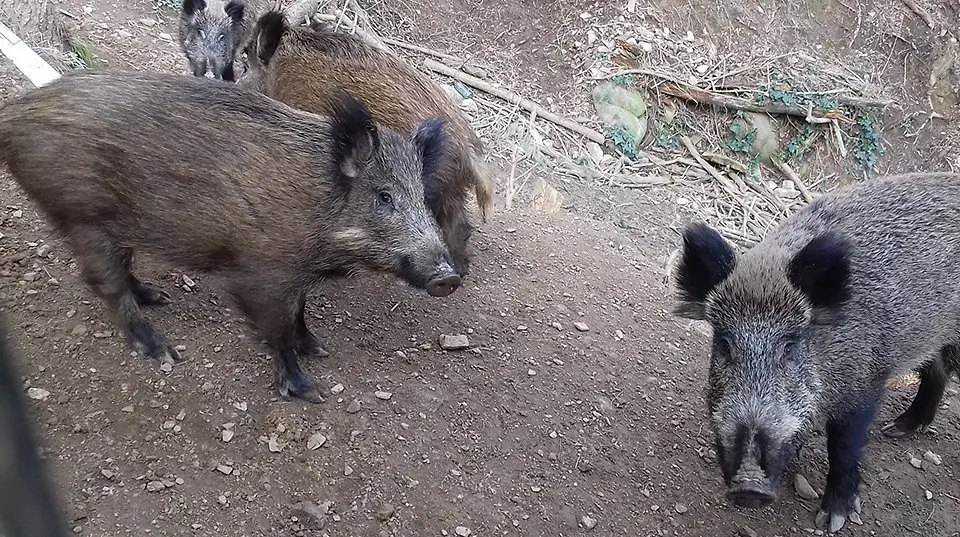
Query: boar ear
point(355, 137)
point(821, 270)
point(270, 29)
point(191, 7)
point(429, 141)
point(234, 10)
point(706, 261)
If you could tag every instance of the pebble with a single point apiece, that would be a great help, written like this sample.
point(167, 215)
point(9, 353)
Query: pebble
point(347, 470)
point(747, 531)
point(43, 250)
point(804, 490)
point(930, 456)
point(227, 435)
point(337, 389)
point(77, 529)
point(383, 395)
point(463, 531)
point(166, 367)
point(915, 462)
point(385, 512)
point(128, 408)
point(531, 372)
point(164, 35)
point(927, 494)
point(188, 281)
point(311, 515)
point(155, 486)
point(353, 407)
point(680, 508)
point(148, 22)
point(273, 444)
point(224, 469)
point(581, 326)
point(588, 522)
point(454, 343)
point(79, 330)
point(316, 440)
point(38, 394)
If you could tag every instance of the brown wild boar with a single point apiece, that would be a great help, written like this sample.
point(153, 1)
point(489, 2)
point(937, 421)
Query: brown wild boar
point(305, 68)
point(216, 179)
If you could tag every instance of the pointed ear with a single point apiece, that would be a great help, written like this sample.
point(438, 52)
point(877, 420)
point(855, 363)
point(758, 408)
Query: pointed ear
point(355, 138)
point(706, 261)
point(270, 29)
point(429, 139)
point(234, 10)
point(191, 7)
point(821, 270)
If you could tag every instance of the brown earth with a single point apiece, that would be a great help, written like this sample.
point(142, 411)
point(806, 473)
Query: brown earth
point(540, 424)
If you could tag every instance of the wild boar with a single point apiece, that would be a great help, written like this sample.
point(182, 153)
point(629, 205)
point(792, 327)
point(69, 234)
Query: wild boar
point(216, 179)
point(811, 323)
point(305, 68)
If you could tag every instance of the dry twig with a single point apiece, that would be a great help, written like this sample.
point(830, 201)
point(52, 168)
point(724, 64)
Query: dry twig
point(513, 98)
point(727, 102)
point(922, 13)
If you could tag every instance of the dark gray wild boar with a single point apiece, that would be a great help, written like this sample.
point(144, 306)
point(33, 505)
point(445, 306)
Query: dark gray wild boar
point(811, 323)
point(305, 68)
point(277, 200)
point(211, 32)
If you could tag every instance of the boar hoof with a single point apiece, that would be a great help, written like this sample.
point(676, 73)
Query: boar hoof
point(150, 295)
point(444, 285)
point(833, 522)
point(902, 427)
point(303, 390)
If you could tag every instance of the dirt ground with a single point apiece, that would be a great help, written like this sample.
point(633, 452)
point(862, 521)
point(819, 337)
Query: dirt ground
point(579, 406)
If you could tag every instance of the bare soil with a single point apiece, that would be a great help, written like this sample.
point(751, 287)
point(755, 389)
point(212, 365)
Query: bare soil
point(580, 400)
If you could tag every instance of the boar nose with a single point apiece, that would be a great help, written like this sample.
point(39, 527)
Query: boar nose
point(444, 281)
point(751, 495)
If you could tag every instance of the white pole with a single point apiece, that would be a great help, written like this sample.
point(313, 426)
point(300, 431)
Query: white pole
point(27, 61)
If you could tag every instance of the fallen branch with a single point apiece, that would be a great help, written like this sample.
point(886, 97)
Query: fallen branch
point(919, 11)
point(513, 98)
point(423, 50)
point(727, 102)
point(724, 181)
point(370, 37)
point(797, 182)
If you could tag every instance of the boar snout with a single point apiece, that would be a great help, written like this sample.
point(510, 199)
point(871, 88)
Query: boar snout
point(444, 282)
point(750, 488)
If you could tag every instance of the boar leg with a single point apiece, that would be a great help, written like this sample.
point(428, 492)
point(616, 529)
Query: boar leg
point(933, 383)
point(227, 74)
point(103, 265)
point(275, 318)
point(456, 234)
point(146, 294)
point(307, 343)
point(846, 438)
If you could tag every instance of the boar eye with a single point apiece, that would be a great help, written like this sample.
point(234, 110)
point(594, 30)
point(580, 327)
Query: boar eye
point(220, 37)
point(788, 348)
point(385, 198)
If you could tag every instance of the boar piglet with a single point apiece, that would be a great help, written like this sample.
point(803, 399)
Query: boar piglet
point(305, 68)
point(858, 287)
point(216, 179)
point(211, 32)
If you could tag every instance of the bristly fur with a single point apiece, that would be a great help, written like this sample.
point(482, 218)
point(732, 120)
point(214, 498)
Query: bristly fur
point(352, 126)
point(304, 67)
point(706, 261)
point(810, 323)
point(192, 6)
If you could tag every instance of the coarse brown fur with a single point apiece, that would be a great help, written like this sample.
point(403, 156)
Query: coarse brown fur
point(214, 178)
point(304, 68)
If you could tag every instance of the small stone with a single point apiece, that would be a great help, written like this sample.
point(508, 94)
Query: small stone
point(353, 407)
point(188, 281)
point(273, 444)
point(124, 33)
point(383, 395)
point(347, 470)
point(128, 408)
point(77, 529)
point(930, 456)
point(454, 343)
point(927, 494)
point(463, 531)
point(531, 372)
point(241, 406)
point(148, 22)
point(166, 367)
point(155, 486)
point(79, 330)
point(680, 508)
point(311, 515)
point(38, 394)
point(582, 327)
point(43, 250)
point(535, 488)
point(385, 512)
point(588, 522)
point(222, 500)
point(915, 462)
point(164, 35)
point(224, 469)
point(804, 490)
point(227, 435)
point(71, 313)
point(206, 387)
point(747, 531)
point(337, 389)
point(315, 441)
